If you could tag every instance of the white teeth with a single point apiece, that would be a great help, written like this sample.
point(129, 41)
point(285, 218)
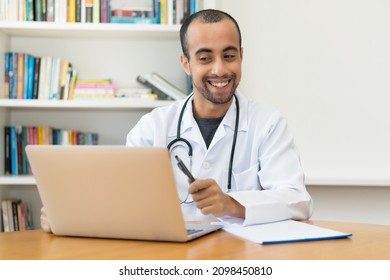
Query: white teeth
point(220, 85)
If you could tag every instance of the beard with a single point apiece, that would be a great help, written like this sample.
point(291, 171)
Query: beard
point(216, 98)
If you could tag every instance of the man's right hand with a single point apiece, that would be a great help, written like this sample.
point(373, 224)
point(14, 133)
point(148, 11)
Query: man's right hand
point(44, 221)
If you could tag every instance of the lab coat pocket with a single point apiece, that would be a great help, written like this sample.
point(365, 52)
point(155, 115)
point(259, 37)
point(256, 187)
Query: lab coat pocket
point(247, 179)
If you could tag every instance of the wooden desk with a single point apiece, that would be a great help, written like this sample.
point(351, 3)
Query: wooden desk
point(368, 242)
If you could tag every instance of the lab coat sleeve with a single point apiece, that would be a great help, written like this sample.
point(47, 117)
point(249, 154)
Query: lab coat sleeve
point(283, 194)
point(142, 133)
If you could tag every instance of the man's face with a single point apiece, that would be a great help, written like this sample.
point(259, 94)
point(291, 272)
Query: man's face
point(215, 59)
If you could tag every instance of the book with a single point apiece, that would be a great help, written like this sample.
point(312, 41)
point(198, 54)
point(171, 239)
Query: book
point(104, 5)
point(12, 75)
point(130, 12)
point(19, 148)
point(25, 75)
point(83, 12)
point(50, 10)
point(78, 11)
point(7, 152)
point(72, 83)
point(7, 57)
point(71, 10)
point(15, 81)
point(4, 212)
point(63, 75)
point(96, 11)
point(38, 10)
point(30, 10)
point(134, 20)
point(30, 77)
point(160, 86)
point(15, 215)
point(89, 11)
point(42, 79)
point(62, 11)
point(25, 167)
point(37, 65)
point(55, 78)
point(135, 93)
point(13, 151)
point(94, 82)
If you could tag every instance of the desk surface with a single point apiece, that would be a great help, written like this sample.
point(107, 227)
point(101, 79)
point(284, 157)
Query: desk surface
point(368, 242)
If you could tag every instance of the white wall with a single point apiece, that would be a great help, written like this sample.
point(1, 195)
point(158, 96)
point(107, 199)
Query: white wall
point(326, 66)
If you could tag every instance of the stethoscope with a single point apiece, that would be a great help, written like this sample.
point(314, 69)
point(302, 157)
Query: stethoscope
point(180, 139)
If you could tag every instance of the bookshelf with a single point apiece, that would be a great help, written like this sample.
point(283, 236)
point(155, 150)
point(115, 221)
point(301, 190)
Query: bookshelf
point(116, 51)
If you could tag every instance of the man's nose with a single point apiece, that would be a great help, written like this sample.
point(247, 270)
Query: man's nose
point(219, 67)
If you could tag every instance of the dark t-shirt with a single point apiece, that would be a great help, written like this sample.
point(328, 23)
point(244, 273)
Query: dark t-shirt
point(208, 127)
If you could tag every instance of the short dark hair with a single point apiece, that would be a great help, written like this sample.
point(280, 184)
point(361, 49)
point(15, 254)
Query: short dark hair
point(205, 16)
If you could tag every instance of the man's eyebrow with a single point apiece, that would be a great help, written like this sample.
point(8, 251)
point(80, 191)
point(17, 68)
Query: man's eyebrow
point(230, 48)
point(207, 50)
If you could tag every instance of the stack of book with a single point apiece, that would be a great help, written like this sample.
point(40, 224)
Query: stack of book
point(15, 216)
point(135, 93)
point(31, 77)
point(94, 89)
point(128, 12)
point(162, 87)
point(17, 137)
point(100, 11)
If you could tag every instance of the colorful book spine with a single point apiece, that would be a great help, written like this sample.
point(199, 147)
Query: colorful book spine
point(37, 64)
point(13, 151)
point(71, 10)
point(30, 77)
point(96, 11)
point(12, 76)
point(6, 74)
point(25, 75)
point(15, 215)
point(7, 150)
point(134, 20)
point(16, 138)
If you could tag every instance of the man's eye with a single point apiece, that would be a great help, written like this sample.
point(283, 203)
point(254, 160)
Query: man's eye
point(204, 59)
point(230, 56)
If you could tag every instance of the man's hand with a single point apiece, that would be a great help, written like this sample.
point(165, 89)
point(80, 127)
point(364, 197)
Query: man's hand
point(210, 199)
point(44, 221)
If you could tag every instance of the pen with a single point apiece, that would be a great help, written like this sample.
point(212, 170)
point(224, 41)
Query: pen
point(184, 168)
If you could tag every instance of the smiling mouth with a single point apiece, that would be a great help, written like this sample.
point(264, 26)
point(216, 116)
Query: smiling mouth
point(219, 84)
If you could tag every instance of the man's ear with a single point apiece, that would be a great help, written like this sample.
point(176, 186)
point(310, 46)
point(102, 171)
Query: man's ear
point(185, 64)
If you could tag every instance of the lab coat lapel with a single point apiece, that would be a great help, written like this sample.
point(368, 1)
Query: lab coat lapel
point(190, 129)
point(228, 122)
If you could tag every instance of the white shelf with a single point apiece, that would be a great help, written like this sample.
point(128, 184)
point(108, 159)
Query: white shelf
point(117, 103)
point(90, 30)
point(29, 180)
point(17, 180)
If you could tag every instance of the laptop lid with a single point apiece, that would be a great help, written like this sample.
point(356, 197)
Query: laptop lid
point(109, 192)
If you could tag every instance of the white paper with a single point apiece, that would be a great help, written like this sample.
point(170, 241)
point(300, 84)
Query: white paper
point(284, 231)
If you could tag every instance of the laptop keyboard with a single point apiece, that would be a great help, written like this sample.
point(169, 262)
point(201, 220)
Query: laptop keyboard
point(192, 231)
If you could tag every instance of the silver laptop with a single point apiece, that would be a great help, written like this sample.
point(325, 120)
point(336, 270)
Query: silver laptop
point(111, 192)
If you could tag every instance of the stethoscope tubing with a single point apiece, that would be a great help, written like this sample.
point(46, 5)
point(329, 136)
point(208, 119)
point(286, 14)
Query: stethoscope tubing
point(188, 144)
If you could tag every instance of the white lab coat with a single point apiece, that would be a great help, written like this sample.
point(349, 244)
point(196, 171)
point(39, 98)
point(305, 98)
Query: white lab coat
point(267, 179)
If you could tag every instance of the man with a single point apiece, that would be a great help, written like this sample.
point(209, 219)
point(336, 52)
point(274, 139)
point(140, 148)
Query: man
point(266, 181)
point(244, 159)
